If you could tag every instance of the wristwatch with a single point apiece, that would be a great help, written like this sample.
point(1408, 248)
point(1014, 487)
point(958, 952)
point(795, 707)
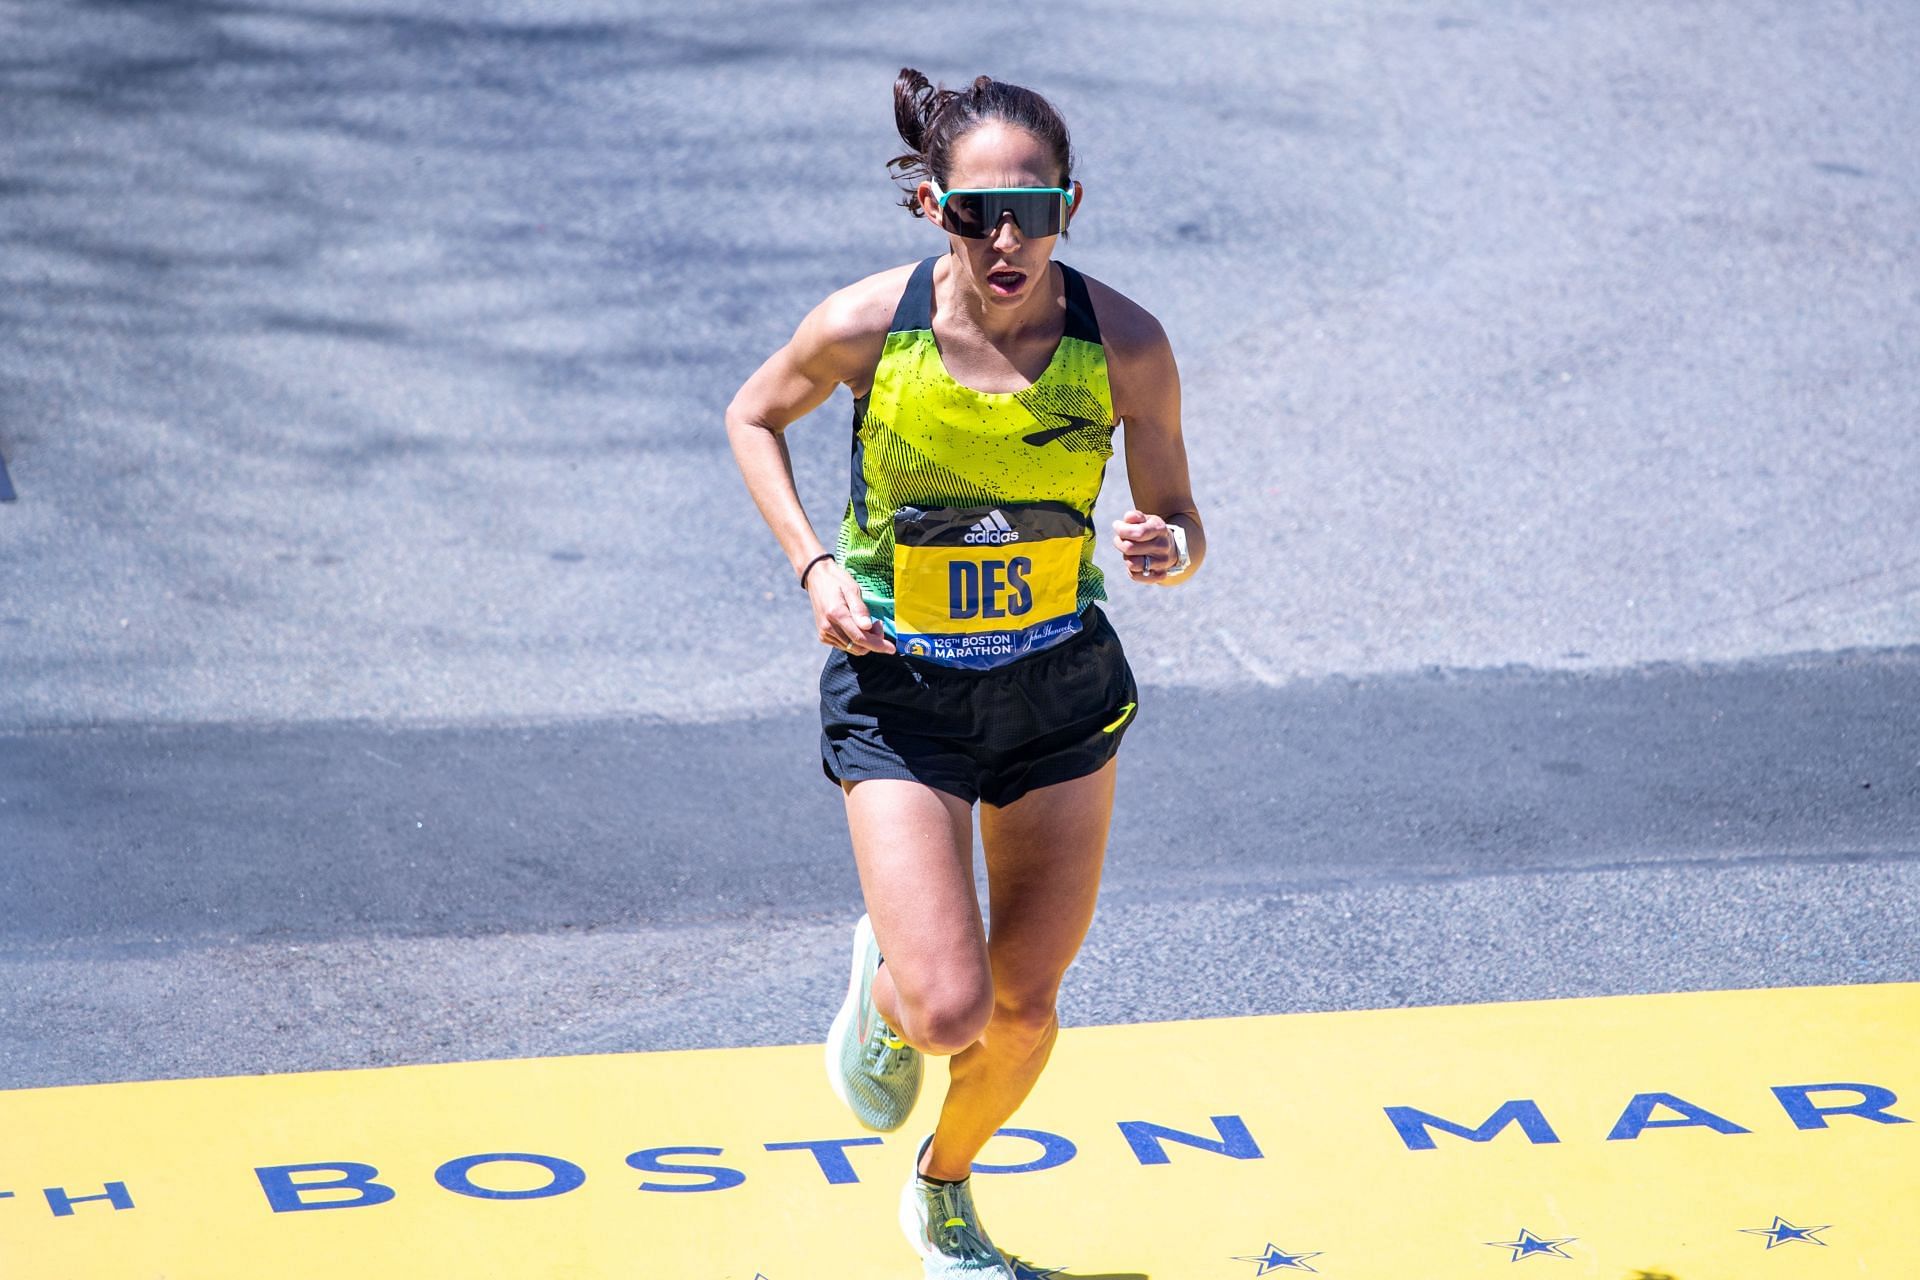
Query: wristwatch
point(1180, 550)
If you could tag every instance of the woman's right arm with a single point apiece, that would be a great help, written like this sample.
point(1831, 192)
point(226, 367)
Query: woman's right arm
point(838, 342)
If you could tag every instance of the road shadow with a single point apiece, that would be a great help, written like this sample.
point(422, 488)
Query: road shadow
point(1027, 1271)
point(202, 196)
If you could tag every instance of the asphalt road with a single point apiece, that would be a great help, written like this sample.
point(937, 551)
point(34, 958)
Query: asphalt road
point(204, 899)
point(393, 667)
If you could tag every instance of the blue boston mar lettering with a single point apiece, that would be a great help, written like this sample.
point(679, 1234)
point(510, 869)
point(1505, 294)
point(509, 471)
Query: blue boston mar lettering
point(454, 1176)
point(1145, 1139)
point(830, 1154)
point(1413, 1124)
point(1054, 1151)
point(1806, 1114)
point(719, 1177)
point(61, 1201)
point(287, 1196)
point(1635, 1117)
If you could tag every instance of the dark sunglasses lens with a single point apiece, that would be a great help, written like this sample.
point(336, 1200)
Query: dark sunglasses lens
point(967, 216)
point(976, 215)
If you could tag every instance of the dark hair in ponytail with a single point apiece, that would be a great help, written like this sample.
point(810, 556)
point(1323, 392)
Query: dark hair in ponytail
point(931, 121)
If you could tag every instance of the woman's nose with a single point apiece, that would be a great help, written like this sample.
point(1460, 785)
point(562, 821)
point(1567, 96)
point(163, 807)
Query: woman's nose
point(1006, 236)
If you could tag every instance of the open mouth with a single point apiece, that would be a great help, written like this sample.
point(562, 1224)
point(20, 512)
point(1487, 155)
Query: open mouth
point(1006, 283)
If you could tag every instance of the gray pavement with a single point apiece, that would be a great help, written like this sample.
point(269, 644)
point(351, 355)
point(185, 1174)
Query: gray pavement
point(393, 667)
point(370, 362)
point(239, 898)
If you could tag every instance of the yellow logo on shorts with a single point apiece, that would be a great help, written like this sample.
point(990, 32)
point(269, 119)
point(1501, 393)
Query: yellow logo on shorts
point(919, 648)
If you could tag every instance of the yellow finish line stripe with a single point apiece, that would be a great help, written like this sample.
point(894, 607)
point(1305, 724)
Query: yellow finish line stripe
point(1710, 1136)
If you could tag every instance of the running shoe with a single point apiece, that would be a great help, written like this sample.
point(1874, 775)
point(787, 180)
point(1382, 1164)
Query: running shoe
point(945, 1231)
point(871, 1069)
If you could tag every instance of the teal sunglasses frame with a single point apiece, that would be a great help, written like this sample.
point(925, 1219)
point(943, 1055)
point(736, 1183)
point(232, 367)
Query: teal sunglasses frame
point(1066, 206)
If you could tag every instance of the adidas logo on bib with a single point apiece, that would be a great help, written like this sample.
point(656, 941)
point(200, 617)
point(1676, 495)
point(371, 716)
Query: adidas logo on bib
point(991, 529)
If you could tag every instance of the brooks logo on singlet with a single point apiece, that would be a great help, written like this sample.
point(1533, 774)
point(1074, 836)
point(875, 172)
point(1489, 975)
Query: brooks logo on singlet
point(1074, 423)
point(993, 529)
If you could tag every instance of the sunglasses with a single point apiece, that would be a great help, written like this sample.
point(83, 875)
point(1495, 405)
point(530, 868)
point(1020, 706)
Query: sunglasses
point(976, 212)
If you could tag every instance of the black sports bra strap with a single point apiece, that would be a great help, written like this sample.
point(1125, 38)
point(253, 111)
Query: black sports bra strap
point(916, 304)
point(1081, 322)
point(915, 310)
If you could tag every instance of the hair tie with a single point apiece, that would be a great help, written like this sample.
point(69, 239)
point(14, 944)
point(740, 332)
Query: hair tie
point(824, 555)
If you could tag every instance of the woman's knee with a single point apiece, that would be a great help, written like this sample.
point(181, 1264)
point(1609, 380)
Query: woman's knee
point(1027, 1019)
point(946, 1020)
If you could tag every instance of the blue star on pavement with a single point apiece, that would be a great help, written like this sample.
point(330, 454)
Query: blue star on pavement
point(1782, 1231)
point(1530, 1245)
point(1277, 1259)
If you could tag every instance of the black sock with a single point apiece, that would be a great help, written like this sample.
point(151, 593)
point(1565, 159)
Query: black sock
point(942, 1182)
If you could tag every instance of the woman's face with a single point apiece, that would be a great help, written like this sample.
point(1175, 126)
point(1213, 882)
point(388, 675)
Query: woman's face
point(1002, 268)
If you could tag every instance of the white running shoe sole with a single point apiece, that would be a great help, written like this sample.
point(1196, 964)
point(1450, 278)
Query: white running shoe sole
point(910, 1219)
point(849, 1010)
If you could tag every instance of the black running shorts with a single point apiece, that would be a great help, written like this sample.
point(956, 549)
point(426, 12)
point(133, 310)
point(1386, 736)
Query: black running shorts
point(988, 735)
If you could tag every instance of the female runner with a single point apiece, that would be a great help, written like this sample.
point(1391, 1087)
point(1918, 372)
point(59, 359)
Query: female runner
point(970, 661)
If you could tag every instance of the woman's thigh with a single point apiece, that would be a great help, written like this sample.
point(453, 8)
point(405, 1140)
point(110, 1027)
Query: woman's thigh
point(1044, 855)
point(913, 845)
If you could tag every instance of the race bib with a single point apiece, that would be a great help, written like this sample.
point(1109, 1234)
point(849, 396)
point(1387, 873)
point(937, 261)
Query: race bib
point(980, 586)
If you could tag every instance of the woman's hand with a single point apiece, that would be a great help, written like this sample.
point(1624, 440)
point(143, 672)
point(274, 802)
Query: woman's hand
point(840, 616)
point(1146, 543)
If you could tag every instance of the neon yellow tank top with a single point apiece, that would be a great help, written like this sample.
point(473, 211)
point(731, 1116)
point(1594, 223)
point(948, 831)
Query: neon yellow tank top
point(969, 526)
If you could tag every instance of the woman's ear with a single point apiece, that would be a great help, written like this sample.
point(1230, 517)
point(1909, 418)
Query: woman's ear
point(929, 203)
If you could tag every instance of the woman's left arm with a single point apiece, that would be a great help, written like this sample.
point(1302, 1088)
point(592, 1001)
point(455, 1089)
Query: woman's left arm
point(1146, 398)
